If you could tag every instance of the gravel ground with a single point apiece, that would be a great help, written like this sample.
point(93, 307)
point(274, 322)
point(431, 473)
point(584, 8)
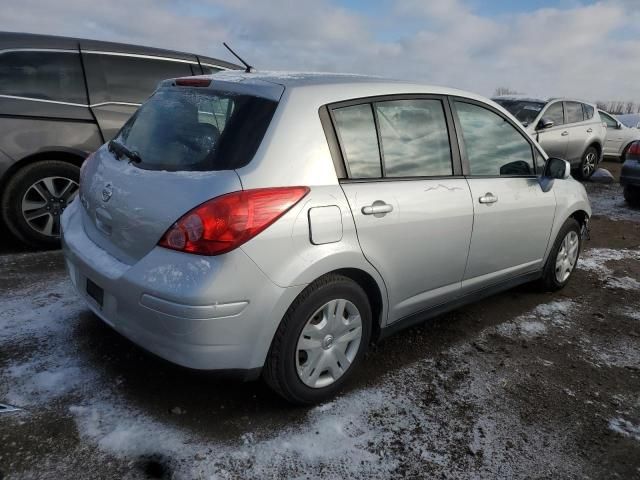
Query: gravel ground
point(521, 385)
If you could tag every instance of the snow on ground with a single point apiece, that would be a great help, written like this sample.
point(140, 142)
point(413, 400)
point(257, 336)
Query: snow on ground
point(368, 433)
point(536, 322)
point(597, 260)
point(625, 428)
point(608, 201)
point(353, 436)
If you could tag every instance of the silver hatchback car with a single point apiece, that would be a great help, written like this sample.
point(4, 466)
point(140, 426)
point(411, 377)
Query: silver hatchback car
point(278, 224)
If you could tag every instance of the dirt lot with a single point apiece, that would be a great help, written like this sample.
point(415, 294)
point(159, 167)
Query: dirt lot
point(521, 385)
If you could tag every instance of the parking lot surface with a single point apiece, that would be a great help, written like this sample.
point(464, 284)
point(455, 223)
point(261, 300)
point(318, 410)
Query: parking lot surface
point(521, 385)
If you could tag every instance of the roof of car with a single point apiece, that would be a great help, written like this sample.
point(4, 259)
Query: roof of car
point(14, 40)
point(524, 98)
point(521, 98)
point(320, 79)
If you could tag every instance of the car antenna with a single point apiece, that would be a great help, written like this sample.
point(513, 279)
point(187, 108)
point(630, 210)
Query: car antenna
point(248, 68)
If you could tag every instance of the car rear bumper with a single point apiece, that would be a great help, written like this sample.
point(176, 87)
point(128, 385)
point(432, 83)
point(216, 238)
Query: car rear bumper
point(208, 313)
point(630, 173)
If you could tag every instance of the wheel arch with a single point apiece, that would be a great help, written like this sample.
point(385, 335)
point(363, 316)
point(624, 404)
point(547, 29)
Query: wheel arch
point(372, 289)
point(598, 146)
point(63, 154)
point(580, 216)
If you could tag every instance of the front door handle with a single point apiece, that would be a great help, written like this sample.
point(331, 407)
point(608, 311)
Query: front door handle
point(488, 198)
point(565, 133)
point(589, 130)
point(377, 208)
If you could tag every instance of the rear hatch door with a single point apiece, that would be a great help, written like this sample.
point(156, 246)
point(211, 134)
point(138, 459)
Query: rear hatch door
point(179, 150)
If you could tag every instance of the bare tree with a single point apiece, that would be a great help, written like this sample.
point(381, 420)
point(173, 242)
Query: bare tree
point(602, 105)
point(504, 91)
point(630, 107)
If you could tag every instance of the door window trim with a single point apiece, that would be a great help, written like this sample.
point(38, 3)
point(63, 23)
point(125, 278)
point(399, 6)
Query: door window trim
point(460, 139)
point(338, 155)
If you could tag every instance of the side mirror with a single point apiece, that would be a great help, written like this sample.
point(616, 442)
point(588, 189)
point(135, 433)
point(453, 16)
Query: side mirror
point(544, 123)
point(618, 125)
point(554, 168)
point(557, 168)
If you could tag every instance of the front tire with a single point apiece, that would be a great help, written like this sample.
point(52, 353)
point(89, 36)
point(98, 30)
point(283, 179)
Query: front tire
point(632, 195)
point(35, 198)
point(588, 164)
point(320, 341)
point(564, 256)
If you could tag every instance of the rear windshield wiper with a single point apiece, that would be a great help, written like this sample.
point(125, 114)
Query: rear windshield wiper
point(118, 149)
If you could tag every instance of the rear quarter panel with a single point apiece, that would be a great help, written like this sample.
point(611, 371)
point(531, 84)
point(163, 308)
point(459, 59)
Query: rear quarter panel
point(30, 127)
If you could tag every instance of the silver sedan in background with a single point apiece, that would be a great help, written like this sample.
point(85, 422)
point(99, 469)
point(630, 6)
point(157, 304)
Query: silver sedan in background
point(619, 137)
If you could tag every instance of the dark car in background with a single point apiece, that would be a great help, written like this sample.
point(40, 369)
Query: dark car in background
point(60, 99)
point(630, 175)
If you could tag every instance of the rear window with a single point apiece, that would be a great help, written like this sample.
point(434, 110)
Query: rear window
point(193, 129)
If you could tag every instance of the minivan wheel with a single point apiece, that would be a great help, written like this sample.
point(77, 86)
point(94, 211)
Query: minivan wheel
point(320, 341)
point(588, 164)
point(563, 258)
point(35, 198)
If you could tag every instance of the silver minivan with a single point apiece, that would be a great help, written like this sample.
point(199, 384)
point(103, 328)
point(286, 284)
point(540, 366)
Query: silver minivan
point(277, 224)
point(565, 128)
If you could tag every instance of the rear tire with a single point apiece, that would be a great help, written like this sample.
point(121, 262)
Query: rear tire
point(588, 164)
point(632, 195)
point(34, 199)
point(302, 343)
point(563, 257)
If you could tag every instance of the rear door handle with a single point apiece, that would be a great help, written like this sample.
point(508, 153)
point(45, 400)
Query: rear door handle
point(488, 198)
point(589, 130)
point(565, 133)
point(378, 207)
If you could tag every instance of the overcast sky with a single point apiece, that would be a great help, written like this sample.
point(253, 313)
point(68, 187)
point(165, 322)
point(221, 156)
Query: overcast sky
point(587, 49)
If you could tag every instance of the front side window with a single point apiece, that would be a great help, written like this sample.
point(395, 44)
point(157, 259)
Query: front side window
point(414, 137)
point(357, 134)
point(493, 146)
point(574, 112)
point(610, 121)
point(554, 113)
point(43, 75)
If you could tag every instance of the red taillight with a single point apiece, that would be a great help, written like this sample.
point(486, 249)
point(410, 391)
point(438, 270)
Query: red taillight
point(193, 82)
point(226, 222)
point(634, 149)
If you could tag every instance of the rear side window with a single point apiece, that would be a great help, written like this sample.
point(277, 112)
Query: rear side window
point(117, 78)
point(414, 137)
point(43, 75)
point(357, 134)
point(588, 111)
point(574, 112)
point(208, 70)
point(193, 129)
point(493, 146)
point(555, 114)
